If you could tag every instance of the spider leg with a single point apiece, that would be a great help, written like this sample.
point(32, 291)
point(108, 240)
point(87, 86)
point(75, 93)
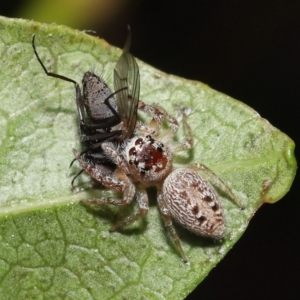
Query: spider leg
point(169, 225)
point(79, 98)
point(112, 152)
point(117, 180)
point(145, 129)
point(159, 115)
point(128, 195)
point(78, 173)
point(222, 185)
point(188, 142)
point(143, 204)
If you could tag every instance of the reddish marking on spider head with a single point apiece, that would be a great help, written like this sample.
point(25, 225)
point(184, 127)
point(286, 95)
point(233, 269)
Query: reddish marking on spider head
point(148, 155)
point(149, 159)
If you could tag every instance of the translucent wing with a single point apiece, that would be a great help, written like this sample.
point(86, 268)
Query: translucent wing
point(127, 88)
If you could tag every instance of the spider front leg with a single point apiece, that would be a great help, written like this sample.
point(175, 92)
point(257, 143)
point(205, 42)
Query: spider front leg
point(167, 219)
point(159, 115)
point(141, 194)
point(118, 181)
point(222, 185)
point(189, 140)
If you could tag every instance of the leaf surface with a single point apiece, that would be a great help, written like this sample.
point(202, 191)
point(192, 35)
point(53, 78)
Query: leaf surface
point(53, 247)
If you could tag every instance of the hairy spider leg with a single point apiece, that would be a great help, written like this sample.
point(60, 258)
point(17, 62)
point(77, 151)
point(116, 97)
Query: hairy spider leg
point(167, 219)
point(118, 181)
point(218, 181)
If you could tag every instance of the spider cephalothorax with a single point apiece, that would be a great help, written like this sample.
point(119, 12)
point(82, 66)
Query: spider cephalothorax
point(149, 161)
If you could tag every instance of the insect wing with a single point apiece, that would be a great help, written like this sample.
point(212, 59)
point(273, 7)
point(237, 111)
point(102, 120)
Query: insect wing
point(127, 88)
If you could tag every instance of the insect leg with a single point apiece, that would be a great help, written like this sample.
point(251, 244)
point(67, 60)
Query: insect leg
point(79, 100)
point(116, 180)
point(115, 156)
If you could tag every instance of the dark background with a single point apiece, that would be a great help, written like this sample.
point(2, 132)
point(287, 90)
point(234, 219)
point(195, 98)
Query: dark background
point(249, 50)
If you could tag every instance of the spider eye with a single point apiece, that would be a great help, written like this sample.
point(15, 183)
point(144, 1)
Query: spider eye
point(138, 142)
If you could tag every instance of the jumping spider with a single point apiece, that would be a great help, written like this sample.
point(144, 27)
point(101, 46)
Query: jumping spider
point(146, 160)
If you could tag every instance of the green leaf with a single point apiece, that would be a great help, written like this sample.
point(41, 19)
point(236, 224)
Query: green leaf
point(51, 246)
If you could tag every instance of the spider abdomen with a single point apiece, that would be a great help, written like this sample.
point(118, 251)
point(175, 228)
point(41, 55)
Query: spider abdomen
point(193, 203)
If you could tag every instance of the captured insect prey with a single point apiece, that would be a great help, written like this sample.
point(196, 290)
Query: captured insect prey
point(129, 157)
point(100, 110)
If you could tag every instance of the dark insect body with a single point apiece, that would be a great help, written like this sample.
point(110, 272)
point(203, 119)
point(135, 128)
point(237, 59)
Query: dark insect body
point(105, 115)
